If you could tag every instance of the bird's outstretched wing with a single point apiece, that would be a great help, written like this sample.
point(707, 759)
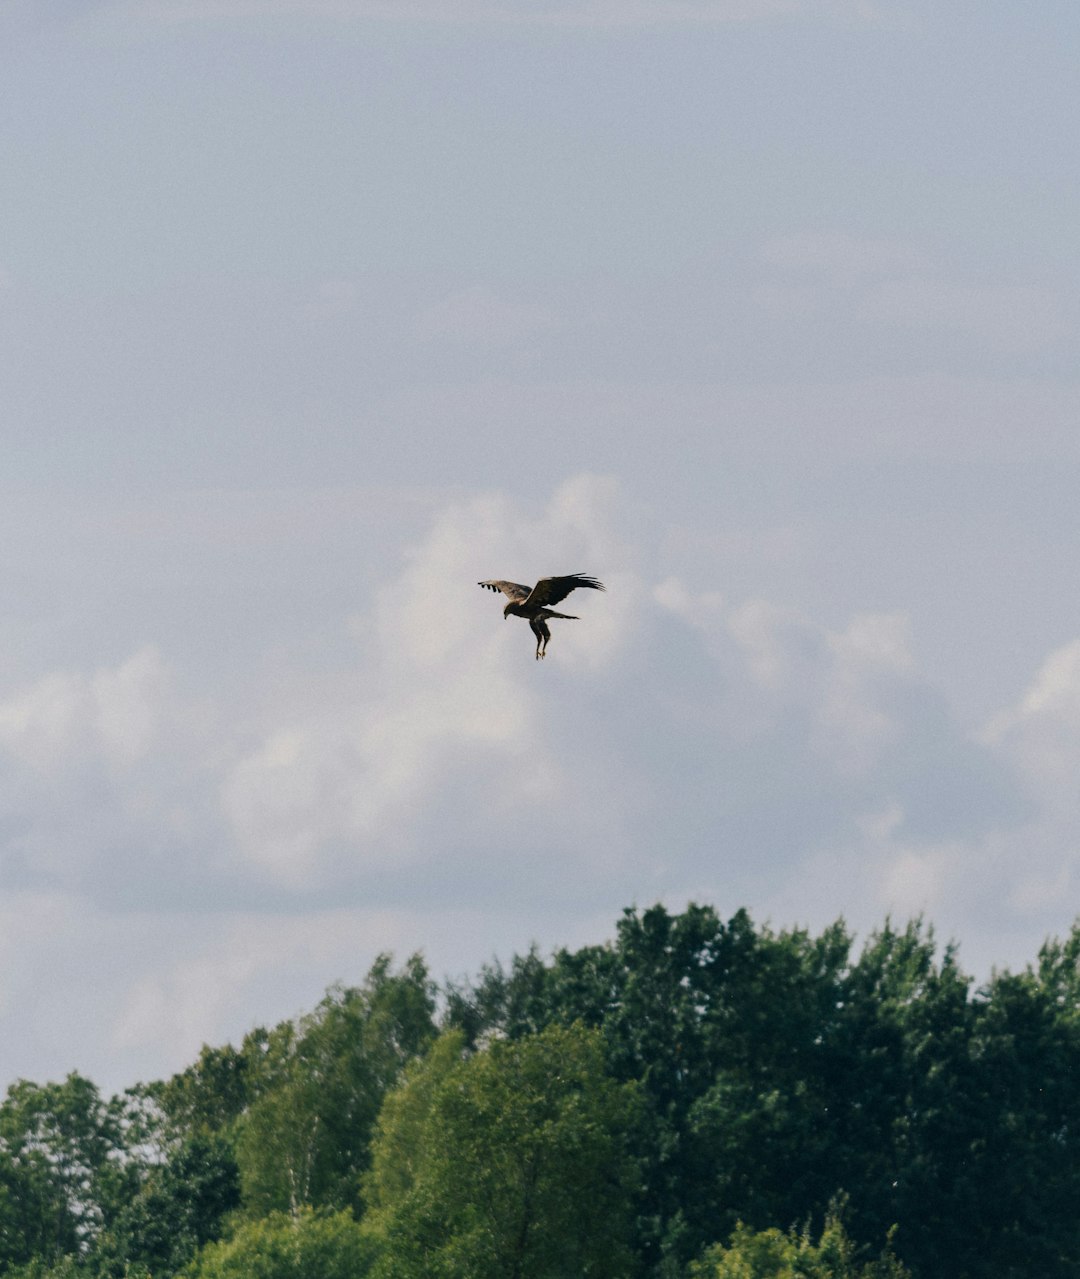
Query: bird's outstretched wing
point(550, 590)
point(512, 590)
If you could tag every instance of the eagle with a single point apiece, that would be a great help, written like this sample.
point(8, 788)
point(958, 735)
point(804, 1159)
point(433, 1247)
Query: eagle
point(532, 602)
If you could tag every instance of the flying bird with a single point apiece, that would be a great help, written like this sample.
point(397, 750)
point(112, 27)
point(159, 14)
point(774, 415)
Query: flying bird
point(532, 602)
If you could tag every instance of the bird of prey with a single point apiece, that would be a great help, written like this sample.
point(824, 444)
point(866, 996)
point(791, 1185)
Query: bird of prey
point(532, 602)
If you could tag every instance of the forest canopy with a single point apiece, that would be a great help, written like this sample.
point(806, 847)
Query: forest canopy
point(694, 1099)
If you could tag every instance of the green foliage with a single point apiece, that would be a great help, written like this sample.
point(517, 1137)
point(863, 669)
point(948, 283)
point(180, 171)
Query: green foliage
point(777, 1071)
point(305, 1245)
point(823, 1098)
point(512, 1162)
point(212, 1092)
point(772, 1254)
point(304, 1140)
point(61, 1168)
point(690, 1075)
point(180, 1206)
point(999, 1163)
point(709, 1018)
point(65, 1268)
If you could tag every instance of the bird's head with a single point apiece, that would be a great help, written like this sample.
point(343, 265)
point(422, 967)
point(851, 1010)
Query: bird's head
point(506, 610)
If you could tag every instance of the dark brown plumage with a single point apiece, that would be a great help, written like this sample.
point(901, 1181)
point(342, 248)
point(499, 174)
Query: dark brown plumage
point(532, 602)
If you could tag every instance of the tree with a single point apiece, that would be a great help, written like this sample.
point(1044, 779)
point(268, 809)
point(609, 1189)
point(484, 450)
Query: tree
point(775, 1070)
point(180, 1206)
point(304, 1140)
point(304, 1245)
point(994, 1169)
point(772, 1254)
point(512, 1163)
point(700, 1013)
point(215, 1090)
point(66, 1267)
point(62, 1167)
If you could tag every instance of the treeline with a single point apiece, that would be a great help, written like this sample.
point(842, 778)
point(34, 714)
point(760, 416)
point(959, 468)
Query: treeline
point(695, 1098)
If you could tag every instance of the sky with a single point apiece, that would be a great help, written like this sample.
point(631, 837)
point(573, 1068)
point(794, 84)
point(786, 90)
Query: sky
point(314, 313)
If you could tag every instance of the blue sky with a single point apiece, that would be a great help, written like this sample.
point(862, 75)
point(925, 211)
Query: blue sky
point(314, 314)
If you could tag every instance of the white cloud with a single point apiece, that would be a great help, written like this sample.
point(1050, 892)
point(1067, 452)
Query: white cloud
point(450, 692)
point(1041, 733)
point(103, 781)
point(783, 655)
point(842, 767)
point(445, 734)
point(675, 739)
point(913, 882)
point(998, 882)
point(844, 683)
point(695, 608)
point(212, 980)
point(1056, 688)
point(187, 999)
point(872, 651)
point(114, 712)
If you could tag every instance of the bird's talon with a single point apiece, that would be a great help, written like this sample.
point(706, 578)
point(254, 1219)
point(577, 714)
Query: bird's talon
point(532, 604)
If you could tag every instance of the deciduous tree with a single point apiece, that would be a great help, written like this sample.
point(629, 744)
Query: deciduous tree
point(512, 1163)
point(301, 1245)
point(304, 1140)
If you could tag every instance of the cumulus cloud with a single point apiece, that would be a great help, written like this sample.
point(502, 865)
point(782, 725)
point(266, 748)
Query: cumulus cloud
point(840, 682)
point(101, 777)
point(679, 741)
point(448, 705)
point(186, 995)
point(1003, 875)
point(204, 979)
point(1041, 733)
point(689, 745)
point(668, 723)
point(826, 761)
point(116, 713)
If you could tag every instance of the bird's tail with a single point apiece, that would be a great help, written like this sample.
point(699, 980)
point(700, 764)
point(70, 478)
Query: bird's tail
point(568, 617)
